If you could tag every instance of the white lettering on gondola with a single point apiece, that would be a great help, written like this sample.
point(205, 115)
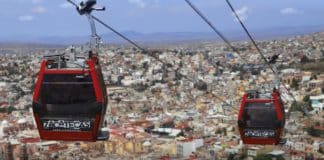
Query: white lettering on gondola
point(66, 124)
point(259, 133)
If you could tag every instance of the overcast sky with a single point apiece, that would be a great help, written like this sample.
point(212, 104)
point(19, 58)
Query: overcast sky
point(41, 18)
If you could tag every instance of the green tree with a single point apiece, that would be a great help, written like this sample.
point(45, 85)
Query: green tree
point(234, 156)
point(140, 87)
point(263, 157)
point(225, 131)
point(3, 110)
point(134, 67)
point(243, 156)
point(295, 84)
point(304, 59)
point(313, 132)
point(181, 64)
point(315, 77)
point(296, 107)
point(10, 109)
point(231, 156)
point(308, 103)
point(306, 98)
point(321, 150)
point(7, 110)
point(145, 65)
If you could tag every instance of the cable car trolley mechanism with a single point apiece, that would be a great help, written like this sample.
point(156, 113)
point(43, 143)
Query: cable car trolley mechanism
point(70, 99)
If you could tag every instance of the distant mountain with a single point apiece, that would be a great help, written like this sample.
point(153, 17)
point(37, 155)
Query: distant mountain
point(168, 37)
point(29, 45)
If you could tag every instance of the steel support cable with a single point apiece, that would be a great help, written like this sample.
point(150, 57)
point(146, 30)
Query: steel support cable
point(228, 43)
point(256, 46)
point(217, 31)
point(219, 34)
point(118, 33)
point(214, 28)
point(250, 36)
point(149, 53)
point(73, 3)
point(145, 51)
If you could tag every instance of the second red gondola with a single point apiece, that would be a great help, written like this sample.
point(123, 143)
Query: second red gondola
point(261, 118)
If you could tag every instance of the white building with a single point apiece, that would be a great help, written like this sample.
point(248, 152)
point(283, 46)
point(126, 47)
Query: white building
point(186, 147)
point(317, 103)
point(316, 146)
point(3, 84)
point(299, 146)
point(3, 125)
point(252, 151)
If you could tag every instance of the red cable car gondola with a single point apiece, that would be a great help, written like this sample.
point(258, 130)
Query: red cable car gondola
point(70, 100)
point(261, 118)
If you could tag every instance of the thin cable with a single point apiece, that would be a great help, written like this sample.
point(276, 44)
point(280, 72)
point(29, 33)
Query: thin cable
point(217, 32)
point(145, 51)
point(258, 49)
point(150, 54)
point(118, 33)
point(73, 3)
point(254, 43)
point(213, 27)
point(219, 98)
point(229, 44)
point(250, 36)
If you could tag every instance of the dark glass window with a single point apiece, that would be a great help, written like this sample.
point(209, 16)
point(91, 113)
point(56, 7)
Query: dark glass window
point(68, 94)
point(260, 115)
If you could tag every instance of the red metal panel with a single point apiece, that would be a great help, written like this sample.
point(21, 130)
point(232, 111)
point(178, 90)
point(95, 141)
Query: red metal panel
point(70, 71)
point(258, 100)
point(39, 81)
point(240, 115)
point(96, 125)
point(38, 123)
point(68, 136)
point(95, 80)
point(277, 105)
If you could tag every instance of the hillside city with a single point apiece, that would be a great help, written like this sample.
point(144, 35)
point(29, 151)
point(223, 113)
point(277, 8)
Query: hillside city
point(185, 108)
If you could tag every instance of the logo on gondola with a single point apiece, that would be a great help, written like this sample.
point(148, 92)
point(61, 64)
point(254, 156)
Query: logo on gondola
point(84, 125)
point(259, 133)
